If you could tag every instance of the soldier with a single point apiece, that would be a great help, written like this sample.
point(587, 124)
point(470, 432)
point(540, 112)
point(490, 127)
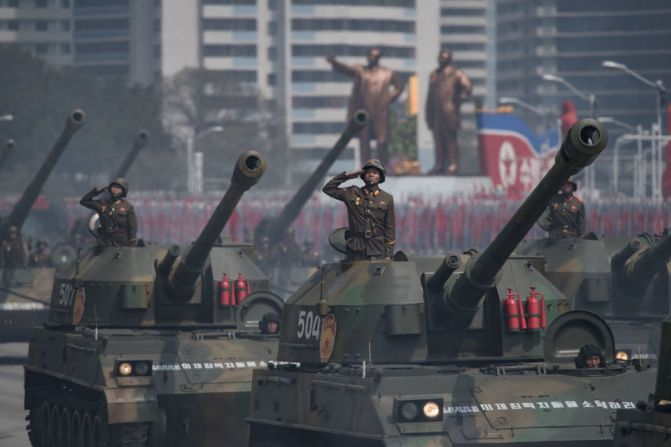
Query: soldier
point(370, 212)
point(270, 323)
point(375, 87)
point(41, 257)
point(590, 357)
point(14, 254)
point(118, 225)
point(448, 88)
point(564, 218)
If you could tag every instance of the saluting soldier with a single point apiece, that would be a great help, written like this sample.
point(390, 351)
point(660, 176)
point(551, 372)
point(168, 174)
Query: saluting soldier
point(118, 224)
point(564, 218)
point(370, 212)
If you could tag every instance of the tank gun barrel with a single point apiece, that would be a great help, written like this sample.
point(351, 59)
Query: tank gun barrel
point(21, 209)
point(291, 210)
point(584, 142)
point(139, 142)
point(248, 170)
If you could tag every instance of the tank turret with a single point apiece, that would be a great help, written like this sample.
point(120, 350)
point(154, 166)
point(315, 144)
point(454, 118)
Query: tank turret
point(463, 294)
point(139, 142)
point(179, 284)
point(21, 209)
point(275, 228)
point(158, 284)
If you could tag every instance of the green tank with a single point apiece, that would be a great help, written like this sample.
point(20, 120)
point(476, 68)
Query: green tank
point(26, 300)
point(650, 423)
point(7, 149)
point(432, 352)
point(149, 345)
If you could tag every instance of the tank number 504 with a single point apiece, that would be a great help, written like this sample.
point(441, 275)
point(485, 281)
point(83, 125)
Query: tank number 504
point(309, 325)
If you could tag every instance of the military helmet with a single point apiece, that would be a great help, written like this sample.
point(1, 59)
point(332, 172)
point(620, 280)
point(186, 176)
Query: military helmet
point(121, 182)
point(374, 163)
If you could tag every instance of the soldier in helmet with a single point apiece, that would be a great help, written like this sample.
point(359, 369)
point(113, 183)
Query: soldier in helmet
point(118, 224)
point(370, 212)
point(564, 218)
point(590, 357)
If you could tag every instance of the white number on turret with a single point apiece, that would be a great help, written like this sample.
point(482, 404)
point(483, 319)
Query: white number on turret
point(309, 325)
point(66, 294)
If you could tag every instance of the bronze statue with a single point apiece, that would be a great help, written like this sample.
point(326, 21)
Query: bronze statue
point(375, 87)
point(448, 88)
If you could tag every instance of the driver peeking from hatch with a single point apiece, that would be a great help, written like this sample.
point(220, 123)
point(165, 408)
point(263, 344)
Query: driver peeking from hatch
point(370, 213)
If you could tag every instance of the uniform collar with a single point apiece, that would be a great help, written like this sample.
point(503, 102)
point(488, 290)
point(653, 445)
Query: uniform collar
point(375, 193)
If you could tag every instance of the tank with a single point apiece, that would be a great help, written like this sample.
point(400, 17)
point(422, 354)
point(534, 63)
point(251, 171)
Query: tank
point(650, 423)
point(625, 281)
point(26, 301)
point(145, 346)
point(286, 276)
point(430, 351)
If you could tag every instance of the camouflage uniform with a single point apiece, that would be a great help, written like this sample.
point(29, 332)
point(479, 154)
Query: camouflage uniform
point(372, 228)
point(118, 224)
point(565, 217)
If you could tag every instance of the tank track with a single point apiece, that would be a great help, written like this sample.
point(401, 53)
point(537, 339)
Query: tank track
point(78, 420)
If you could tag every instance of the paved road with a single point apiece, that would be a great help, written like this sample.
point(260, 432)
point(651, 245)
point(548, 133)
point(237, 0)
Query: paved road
point(12, 416)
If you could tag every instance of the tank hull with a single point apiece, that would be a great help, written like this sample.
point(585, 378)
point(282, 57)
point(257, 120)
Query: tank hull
point(532, 406)
point(26, 303)
point(197, 392)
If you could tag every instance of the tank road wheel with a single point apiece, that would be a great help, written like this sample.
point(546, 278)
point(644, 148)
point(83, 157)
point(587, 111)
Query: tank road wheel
point(45, 415)
point(35, 428)
point(65, 439)
point(76, 429)
point(54, 426)
point(85, 431)
point(99, 433)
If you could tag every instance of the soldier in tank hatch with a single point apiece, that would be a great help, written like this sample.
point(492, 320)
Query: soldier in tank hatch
point(564, 218)
point(370, 213)
point(41, 256)
point(590, 357)
point(118, 224)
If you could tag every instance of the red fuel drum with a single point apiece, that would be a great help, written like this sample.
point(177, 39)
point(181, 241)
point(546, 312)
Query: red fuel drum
point(225, 291)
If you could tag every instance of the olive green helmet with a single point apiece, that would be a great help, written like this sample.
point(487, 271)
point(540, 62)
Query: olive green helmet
point(121, 182)
point(374, 163)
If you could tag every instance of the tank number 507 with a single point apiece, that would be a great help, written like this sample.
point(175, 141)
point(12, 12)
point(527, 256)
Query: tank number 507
point(309, 325)
point(66, 294)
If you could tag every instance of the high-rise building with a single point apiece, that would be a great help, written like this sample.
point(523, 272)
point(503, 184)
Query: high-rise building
point(106, 38)
point(571, 39)
point(43, 27)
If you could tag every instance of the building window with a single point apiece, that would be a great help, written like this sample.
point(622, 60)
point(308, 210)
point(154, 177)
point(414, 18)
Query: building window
point(41, 48)
point(66, 48)
point(229, 51)
point(13, 25)
point(454, 12)
point(229, 2)
point(40, 3)
point(393, 3)
point(272, 79)
point(229, 24)
point(272, 53)
point(319, 102)
point(392, 26)
point(65, 25)
point(350, 50)
point(462, 29)
point(317, 127)
point(41, 25)
point(13, 3)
